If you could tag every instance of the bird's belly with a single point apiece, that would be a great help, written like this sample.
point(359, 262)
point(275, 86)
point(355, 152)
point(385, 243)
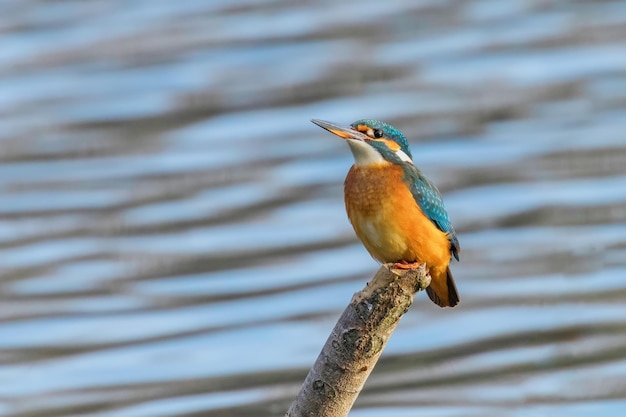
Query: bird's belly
point(380, 240)
point(388, 221)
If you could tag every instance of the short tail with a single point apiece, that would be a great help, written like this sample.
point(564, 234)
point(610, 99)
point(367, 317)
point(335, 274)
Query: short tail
point(442, 290)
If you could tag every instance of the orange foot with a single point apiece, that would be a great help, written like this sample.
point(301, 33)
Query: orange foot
point(406, 265)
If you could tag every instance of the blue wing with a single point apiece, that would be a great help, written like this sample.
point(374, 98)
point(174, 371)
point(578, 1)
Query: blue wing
point(429, 200)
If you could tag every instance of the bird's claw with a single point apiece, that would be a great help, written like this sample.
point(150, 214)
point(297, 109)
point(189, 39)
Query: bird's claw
point(406, 265)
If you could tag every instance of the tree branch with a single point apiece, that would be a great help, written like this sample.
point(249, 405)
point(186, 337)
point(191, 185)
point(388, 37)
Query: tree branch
point(356, 342)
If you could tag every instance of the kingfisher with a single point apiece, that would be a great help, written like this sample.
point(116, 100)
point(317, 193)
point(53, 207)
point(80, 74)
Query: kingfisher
point(396, 212)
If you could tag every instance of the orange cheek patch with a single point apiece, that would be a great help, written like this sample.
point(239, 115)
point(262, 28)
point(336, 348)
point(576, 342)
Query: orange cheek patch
point(390, 144)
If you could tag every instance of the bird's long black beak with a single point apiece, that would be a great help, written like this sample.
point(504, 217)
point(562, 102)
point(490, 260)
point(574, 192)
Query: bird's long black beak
point(342, 132)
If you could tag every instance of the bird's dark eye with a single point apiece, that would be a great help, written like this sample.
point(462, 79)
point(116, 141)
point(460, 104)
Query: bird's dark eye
point(378, 133)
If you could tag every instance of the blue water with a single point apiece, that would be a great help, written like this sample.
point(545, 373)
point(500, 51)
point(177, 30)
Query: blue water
point(173, 240)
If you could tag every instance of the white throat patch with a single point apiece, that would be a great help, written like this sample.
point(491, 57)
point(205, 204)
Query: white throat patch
point(364, 154)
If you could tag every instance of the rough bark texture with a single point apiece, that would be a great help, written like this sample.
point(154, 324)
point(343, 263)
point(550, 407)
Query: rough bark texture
point(356, 342)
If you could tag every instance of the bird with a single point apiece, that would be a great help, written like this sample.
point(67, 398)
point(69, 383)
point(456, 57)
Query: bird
point(396, 211)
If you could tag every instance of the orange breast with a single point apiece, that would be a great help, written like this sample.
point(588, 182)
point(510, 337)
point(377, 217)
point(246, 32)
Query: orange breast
point(389, 222)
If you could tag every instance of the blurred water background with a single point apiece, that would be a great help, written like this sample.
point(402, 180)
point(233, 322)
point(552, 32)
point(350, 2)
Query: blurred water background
point(173, 240)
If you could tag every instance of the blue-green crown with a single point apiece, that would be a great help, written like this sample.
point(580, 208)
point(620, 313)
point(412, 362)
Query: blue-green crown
point(389, 131)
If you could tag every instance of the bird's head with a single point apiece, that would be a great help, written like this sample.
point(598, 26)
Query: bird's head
point(372, 141)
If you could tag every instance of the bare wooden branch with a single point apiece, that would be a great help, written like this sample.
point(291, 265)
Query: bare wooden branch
point(356, 342)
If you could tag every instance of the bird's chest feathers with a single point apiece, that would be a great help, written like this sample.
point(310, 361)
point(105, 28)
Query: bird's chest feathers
point(387, 219)
point(375, 196)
